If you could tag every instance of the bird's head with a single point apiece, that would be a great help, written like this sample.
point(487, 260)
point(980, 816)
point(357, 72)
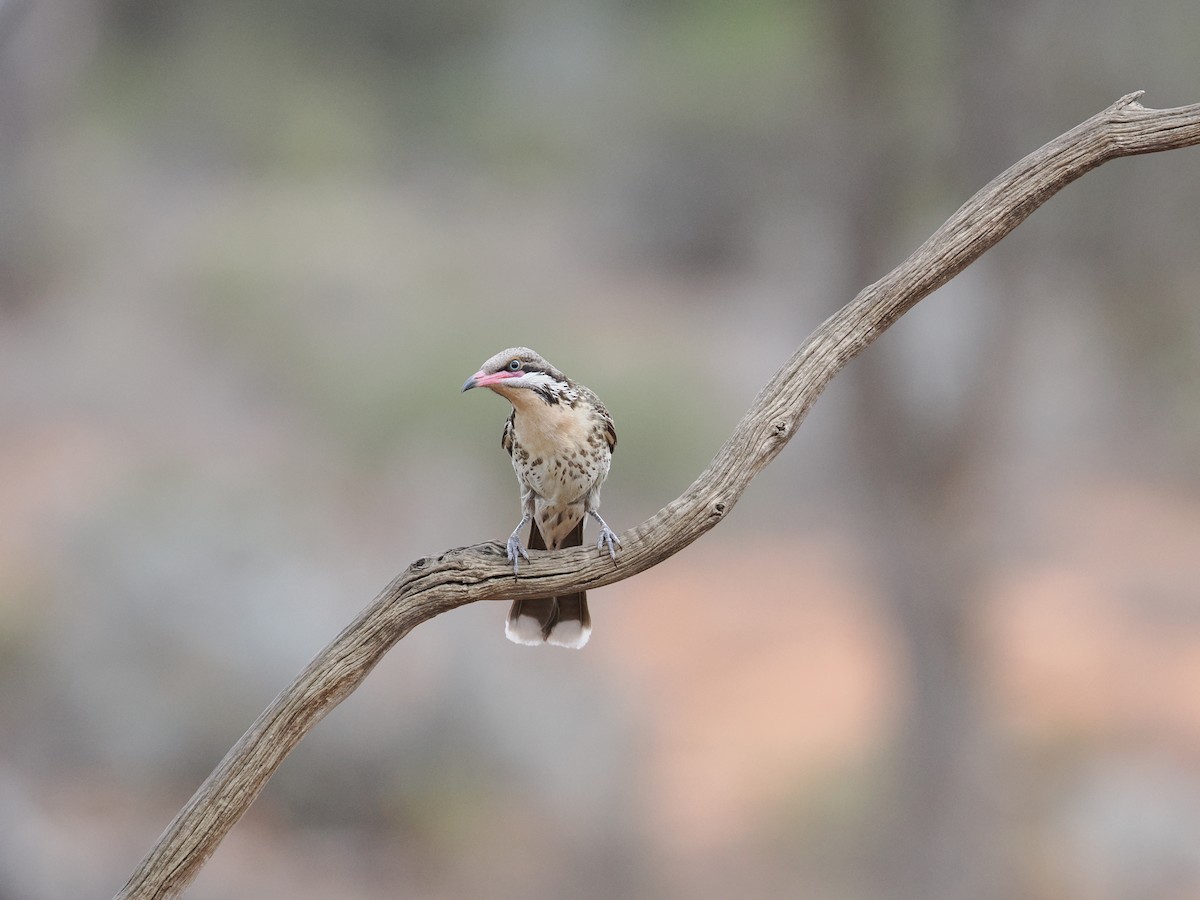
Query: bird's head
point(516, 369)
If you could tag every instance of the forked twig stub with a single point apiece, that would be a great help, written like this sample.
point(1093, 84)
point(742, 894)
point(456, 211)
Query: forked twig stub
point(431, 586)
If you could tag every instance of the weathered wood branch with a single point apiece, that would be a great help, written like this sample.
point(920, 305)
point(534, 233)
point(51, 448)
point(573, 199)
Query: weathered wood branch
point(431, 586)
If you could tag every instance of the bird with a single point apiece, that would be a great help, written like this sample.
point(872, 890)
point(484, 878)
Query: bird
point(561, 439)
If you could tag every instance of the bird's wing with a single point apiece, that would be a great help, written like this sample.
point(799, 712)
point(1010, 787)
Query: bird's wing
point(506, 436)
point(606, 421)
point(610, 433)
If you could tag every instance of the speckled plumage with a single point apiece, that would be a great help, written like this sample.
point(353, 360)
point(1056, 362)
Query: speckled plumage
point(560, 438)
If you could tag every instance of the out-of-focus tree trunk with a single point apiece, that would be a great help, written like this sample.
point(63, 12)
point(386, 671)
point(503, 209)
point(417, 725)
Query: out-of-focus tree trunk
point(927, 484)
point(43, 44)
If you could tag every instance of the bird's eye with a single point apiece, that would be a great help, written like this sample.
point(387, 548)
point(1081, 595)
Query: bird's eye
point(515, 365)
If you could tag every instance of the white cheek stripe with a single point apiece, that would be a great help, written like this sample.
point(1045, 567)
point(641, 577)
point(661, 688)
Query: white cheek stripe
point(540, 379)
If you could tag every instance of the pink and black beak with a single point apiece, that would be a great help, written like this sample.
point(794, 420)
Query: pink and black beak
point(483, 379)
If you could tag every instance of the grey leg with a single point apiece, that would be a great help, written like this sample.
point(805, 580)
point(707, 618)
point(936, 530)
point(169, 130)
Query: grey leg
point(608, 537)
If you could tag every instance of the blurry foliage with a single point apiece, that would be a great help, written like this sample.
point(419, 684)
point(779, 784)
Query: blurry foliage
point(728, 67)
point(224, 93)
point(410, 31)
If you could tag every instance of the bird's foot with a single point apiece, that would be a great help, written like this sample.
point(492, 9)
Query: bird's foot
point(515, 551)
point(608, 539)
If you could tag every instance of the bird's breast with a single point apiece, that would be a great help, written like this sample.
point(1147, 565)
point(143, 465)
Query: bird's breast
point(553, 455)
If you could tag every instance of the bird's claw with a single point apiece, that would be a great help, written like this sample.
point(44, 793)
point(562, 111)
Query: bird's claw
point(515, 551)
point(608, 539)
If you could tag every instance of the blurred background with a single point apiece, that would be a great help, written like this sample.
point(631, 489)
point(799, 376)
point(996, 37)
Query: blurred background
point(948, 645)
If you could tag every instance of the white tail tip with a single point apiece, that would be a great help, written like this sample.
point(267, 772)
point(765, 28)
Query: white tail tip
point(572, 633)
point(525, 630)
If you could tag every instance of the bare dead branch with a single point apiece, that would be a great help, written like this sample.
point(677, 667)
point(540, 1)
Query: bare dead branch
point(430, 586)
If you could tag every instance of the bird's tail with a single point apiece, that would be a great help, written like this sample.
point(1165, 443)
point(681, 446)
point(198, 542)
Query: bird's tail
point(563, 621)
